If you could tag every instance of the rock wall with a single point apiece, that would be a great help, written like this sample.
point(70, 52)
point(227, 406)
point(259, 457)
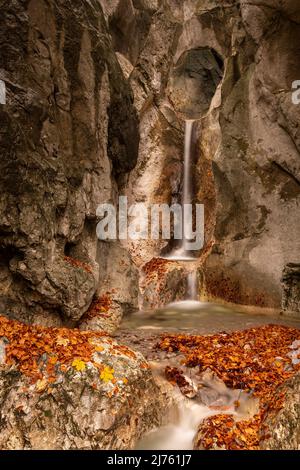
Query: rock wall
point(247, 171)
point(256, 167)
point(68, 132)
point(291, 288)
point(95, 108)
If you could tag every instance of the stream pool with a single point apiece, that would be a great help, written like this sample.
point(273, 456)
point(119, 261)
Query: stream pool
point(201, 318)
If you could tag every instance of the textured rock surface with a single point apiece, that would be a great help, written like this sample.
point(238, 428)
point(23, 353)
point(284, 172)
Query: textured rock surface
point(256, 168)
point(163, 283)
point(68, 130)
point(291, 288)
point(247, 172)
point(77, 75)
point(76, 409)
point(283, 429)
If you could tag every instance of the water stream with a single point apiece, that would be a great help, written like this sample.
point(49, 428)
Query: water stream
point(178, 429)
point(192, 286)
point(182, 253)
point(211, 397)
point(179, 434)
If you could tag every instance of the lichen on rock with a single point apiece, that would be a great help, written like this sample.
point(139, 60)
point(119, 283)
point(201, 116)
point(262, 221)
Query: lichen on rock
point(66, 389)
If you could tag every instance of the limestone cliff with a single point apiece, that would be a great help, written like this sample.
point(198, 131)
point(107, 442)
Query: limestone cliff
point(247, 165)
point(68, 131)
point(97, 93)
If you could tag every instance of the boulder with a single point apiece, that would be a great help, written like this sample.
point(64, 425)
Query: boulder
point(82, 390)
point(281, 430)
point(291, 289)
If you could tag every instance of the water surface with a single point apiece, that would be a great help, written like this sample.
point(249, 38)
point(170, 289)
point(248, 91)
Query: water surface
point(201, 318)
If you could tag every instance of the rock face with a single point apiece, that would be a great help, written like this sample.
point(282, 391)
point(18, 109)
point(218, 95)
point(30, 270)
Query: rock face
point(247, 172)
point(256, 168)
point(282, 430)
point(96, 97)
point(278, 430)
point(194, 80)
point(68, 131)
point(291, 288)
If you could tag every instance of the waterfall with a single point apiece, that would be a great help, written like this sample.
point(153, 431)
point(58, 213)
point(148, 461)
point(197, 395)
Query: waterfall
point(187, 190)
point(192, 285)
point(182, 254)
point(187, 165)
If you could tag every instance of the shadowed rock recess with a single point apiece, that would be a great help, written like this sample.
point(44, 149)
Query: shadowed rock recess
point(97, 93)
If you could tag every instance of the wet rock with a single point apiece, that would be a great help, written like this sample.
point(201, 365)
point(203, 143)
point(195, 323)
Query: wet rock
point(291, 289)
point(162, 282)
point(282, 428)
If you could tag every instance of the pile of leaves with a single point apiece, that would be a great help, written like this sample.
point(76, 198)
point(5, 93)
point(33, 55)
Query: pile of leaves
point(175, 376)
point(38, 351)
point(226, 433)
point(41, 353)
point(78, 264)
point(256, 360)
point(99, 307)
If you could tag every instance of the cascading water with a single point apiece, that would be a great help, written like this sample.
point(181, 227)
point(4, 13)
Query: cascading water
point(187, 185)
point(187, 414)
point(192, 286)
point(182, 253)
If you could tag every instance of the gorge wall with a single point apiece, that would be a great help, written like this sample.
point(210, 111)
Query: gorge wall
point(247, 164)
point(68, 131)
point(95, 109)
